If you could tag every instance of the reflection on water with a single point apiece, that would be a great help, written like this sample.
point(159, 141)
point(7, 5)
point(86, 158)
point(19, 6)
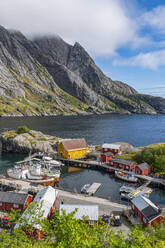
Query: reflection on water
point(73, 169)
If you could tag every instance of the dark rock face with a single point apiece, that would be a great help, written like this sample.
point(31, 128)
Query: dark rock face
point(158, 103)
point(50, 71)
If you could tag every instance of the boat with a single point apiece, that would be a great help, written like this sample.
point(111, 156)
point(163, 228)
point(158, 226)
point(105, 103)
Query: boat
point(85, 188)
point(128, 177)
point(126, 189)
point(37, 172)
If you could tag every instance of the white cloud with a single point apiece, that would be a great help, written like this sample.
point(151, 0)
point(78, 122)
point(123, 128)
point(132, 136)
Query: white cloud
point(150, 60)
point(101, 26)
point(154, 18)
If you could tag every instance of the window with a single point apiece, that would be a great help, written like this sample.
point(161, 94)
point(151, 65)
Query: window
point(0, 203)
point(15, 206)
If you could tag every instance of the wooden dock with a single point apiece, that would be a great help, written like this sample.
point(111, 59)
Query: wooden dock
point(99, 166)
point(9, 183)
point(103, 166)
point(93, 188)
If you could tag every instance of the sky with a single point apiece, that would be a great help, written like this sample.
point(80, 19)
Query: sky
point(126, 38)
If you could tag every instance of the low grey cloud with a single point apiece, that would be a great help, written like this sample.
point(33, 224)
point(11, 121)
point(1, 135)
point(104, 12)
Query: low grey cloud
point(101, 26)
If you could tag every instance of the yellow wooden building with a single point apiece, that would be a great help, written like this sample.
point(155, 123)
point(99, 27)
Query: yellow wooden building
point(72, 148)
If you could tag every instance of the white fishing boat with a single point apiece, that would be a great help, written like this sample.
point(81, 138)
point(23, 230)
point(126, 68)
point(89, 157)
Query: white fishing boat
point(37, 172)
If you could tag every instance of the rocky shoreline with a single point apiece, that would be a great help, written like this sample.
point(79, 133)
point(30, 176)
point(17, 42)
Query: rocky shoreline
point(35, 141)
point(30, 142)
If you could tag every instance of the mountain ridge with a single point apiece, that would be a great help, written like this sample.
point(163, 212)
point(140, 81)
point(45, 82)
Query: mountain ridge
point(47, 76)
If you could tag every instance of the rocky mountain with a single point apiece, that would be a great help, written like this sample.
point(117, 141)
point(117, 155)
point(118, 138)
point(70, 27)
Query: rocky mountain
point(47, 76)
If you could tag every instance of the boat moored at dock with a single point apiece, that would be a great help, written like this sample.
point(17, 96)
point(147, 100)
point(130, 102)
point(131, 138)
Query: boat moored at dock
point(37, 171)
point(128, 177)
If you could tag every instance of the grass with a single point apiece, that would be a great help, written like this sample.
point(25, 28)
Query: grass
point(39, 100)
point(127, 156)
point(9, 134)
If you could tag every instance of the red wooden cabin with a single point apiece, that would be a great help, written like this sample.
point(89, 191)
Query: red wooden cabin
point(14, 200)
point(122, 164)
point(142, 169)
point(146, 211)
point(105, 157)
point(113, 148)
point(46, 199)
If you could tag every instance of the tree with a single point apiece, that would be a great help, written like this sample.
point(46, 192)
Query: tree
point(67, 232)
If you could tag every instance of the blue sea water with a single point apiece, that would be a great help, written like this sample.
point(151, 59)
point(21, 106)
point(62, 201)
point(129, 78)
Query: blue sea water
point(138, 130)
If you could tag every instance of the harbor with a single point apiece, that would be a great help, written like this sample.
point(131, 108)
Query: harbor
point(96, 173)
point(102, 166)
point(82, 178)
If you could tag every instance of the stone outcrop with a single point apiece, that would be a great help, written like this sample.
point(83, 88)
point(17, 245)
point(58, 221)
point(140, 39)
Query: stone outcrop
point(34, 141)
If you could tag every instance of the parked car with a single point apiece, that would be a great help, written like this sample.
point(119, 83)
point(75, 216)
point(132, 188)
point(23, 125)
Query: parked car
point(115, 220)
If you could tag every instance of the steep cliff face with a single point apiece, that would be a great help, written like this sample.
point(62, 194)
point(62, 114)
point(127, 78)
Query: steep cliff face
point(26, 87)
point(47, 76)
point(82, 73)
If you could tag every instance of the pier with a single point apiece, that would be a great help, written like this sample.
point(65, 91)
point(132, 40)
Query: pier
point(103, 166)
point(18, 185)
point(93, 188)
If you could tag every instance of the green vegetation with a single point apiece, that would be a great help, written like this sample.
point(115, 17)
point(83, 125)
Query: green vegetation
point(127, 156)
point(154, 156)
point(23, 129)
point(67, 232)
point(39, 100)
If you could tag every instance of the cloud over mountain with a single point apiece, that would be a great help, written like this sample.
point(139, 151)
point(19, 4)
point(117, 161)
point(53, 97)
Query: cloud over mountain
point(100, 26)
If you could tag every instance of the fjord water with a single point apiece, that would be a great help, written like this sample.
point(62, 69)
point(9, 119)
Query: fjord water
point(138, 130)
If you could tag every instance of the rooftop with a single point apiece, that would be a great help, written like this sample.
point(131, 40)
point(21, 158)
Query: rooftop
point(146, 207)
point(111, 146)
point(13, 197)
point(121, 161)
point(44, 199)
point(143, 166)
point(90, 211)
point(73, 144)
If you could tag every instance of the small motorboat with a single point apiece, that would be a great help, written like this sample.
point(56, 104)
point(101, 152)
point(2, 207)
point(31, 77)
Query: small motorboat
point(126, 189)
point(128, 177)
point(85, 188)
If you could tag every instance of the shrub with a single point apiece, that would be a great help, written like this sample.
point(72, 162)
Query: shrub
point(23, 129)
